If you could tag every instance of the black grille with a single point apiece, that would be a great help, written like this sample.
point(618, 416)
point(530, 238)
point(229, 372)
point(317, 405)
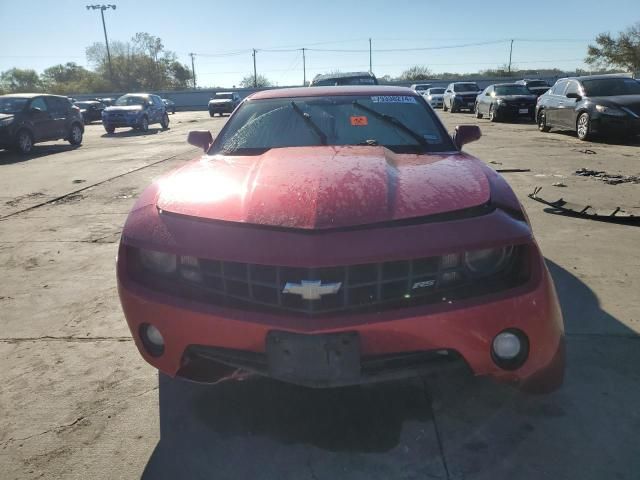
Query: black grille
point(363, 287)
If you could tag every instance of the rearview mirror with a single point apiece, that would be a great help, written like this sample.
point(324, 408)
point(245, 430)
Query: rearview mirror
point(464, 134)
point(200, 138)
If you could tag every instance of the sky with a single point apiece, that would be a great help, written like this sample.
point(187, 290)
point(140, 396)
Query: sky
point(452, 36)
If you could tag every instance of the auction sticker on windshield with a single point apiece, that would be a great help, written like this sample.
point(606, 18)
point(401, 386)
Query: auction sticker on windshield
point(359, 121)
point(393, 99)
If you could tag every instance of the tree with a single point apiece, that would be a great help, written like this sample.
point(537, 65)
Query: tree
point(248, 81)
point(141, 64)
point(417, 72)
point(72, 78)
point(622, 52)
point(17, 80)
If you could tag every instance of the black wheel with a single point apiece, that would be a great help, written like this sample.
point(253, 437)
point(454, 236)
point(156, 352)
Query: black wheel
point(164, 123)
point(493, 116)
point(211, 114)
point(444, 106)
point(110, 130)
point(477, 109)
point(583, 126)
point(144, 124)
point(24, 142)
point(75, 134)
point(542, 122)
point(453, 108)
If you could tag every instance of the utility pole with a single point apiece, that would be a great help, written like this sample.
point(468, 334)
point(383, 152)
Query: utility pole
point(304, 69)
point(370, 64)
point(193, 68)
point(255, 72)
point(510, 52)
point(102, 8)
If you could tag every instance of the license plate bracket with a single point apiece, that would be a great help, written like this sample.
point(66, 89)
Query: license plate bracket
point(314, 360)
point(523, 111)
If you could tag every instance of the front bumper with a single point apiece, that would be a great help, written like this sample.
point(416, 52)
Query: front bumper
point(611, 125)
point(221, 108)
point(124, 121)
point(215, 340)
point(464, 103)
point(516, 111)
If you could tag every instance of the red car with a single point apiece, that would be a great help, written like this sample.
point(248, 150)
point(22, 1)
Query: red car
point(334, 236)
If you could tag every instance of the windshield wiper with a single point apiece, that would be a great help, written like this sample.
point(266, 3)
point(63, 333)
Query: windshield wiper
point(393, 121)
point(307, 119)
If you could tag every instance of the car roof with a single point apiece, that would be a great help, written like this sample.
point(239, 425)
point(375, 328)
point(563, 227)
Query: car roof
point(324, 76)
point(597, 77)
point(333, 91)
point(139, 94)
point(506, 85)
point(223, 93)
point(31, 95)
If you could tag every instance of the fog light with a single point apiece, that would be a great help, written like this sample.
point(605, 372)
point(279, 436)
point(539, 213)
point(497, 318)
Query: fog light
point(507, 345)
point(152, 339)
point(510, 349)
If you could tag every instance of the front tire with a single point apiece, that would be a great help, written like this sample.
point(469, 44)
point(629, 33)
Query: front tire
point(75, 135)
point(493, 115)
point(211, 114)
point(477, 109)
point(24, 142)
point(453, 108)
point(109, 130)
point(144, 124)
point(164, 123)
point(444, 106)
point(542, 122)
point(583, 126)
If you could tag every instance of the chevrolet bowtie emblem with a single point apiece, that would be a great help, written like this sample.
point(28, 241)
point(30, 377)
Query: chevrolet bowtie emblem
point(312, 289)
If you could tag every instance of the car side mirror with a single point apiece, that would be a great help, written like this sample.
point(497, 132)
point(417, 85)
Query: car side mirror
point(464, 134)
point(200, 138)
point(577, 96)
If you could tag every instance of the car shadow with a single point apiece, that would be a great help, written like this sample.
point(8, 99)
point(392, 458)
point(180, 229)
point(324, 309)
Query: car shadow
point(132, 133)
point(494, 431)
point(8, 157)
point(219, 431)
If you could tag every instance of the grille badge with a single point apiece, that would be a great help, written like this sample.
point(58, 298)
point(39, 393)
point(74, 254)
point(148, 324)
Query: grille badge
point(312, 289)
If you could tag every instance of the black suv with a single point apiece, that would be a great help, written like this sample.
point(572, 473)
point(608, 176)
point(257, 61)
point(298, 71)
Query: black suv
point(460, 96)
point(91, 110)
point(537, 87)
point(592, 105)
point(29, 118)
point(344, 78)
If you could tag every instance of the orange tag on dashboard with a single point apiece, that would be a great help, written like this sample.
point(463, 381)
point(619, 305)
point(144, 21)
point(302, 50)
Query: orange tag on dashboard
point(359, 121)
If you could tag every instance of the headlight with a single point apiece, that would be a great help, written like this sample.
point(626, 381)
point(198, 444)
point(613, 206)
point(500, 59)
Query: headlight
point(158, 262)
point(6, 122)
point(487, 261)
point(616, 112)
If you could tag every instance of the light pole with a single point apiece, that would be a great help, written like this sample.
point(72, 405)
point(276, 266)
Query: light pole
point(102, 8)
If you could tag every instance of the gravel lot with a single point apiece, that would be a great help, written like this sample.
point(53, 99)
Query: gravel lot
point(77, 401)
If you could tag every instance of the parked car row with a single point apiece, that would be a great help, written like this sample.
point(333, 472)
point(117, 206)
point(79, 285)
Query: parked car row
point(595, 105)
point(30, 118)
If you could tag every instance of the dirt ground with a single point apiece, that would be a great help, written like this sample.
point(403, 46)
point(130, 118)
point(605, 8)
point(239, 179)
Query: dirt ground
point(78, 402)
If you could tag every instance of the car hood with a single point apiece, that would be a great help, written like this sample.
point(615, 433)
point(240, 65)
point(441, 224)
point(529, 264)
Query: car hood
point(324, 187)
point(619, 100)
point(129, 108)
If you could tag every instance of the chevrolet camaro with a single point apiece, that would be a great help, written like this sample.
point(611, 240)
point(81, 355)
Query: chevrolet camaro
point(333, 236)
